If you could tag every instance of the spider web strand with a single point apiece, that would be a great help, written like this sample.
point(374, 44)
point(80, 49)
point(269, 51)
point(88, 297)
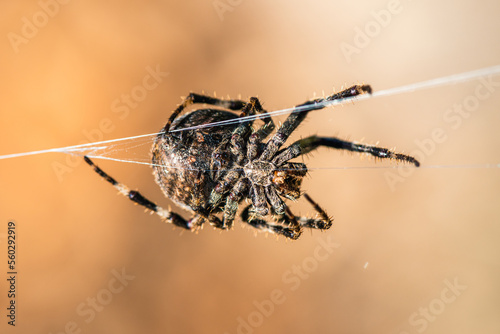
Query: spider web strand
point(451, 79)
point(97, 150)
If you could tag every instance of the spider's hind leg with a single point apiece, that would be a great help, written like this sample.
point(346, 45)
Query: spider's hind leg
point(137, 197)
point(194, 98)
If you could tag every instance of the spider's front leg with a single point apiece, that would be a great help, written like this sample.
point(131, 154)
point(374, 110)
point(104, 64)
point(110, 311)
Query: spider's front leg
point(135, 196)
point(299, 114)
point(311, 143)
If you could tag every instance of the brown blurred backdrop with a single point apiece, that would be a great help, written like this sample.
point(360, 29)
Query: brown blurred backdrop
point(418, 256)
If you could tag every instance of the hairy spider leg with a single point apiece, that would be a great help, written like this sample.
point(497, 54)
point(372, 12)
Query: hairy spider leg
point(308, 144)
point(322, 223)
point(237, 148)
point(135, 196)
point(263, 132)
point(295, 118)
point(290, 225)
point(259, 200)
point(275, 200)
point(241, 131)
point(194, 98)
point(223, 186)
point(239, 190)
point(293, 232)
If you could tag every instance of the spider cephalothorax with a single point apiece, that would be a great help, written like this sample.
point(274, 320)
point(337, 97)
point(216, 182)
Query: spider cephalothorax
point(211, 170)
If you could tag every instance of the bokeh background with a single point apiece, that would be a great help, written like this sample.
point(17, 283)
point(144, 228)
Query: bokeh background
point(396, 249)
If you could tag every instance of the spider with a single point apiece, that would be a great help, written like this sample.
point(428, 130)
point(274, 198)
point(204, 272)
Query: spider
point(211, 170)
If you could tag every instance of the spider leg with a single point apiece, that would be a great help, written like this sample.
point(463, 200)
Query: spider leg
point(238, 149)
point(193, 98)
point(232, 202)
point(237, 137)
point(223, 186)
point(296, 117)
point(308, 144)
point(237, 141)
point(259, 135)
point(135, 196)
point(323, 223)
point(275, 200)
point(259, 201)
point(256, 221)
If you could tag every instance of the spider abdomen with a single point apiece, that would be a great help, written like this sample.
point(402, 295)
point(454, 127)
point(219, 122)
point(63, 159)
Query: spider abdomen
point(188, 164)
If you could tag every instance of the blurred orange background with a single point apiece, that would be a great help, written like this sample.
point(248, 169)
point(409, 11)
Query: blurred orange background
point(420, 254)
